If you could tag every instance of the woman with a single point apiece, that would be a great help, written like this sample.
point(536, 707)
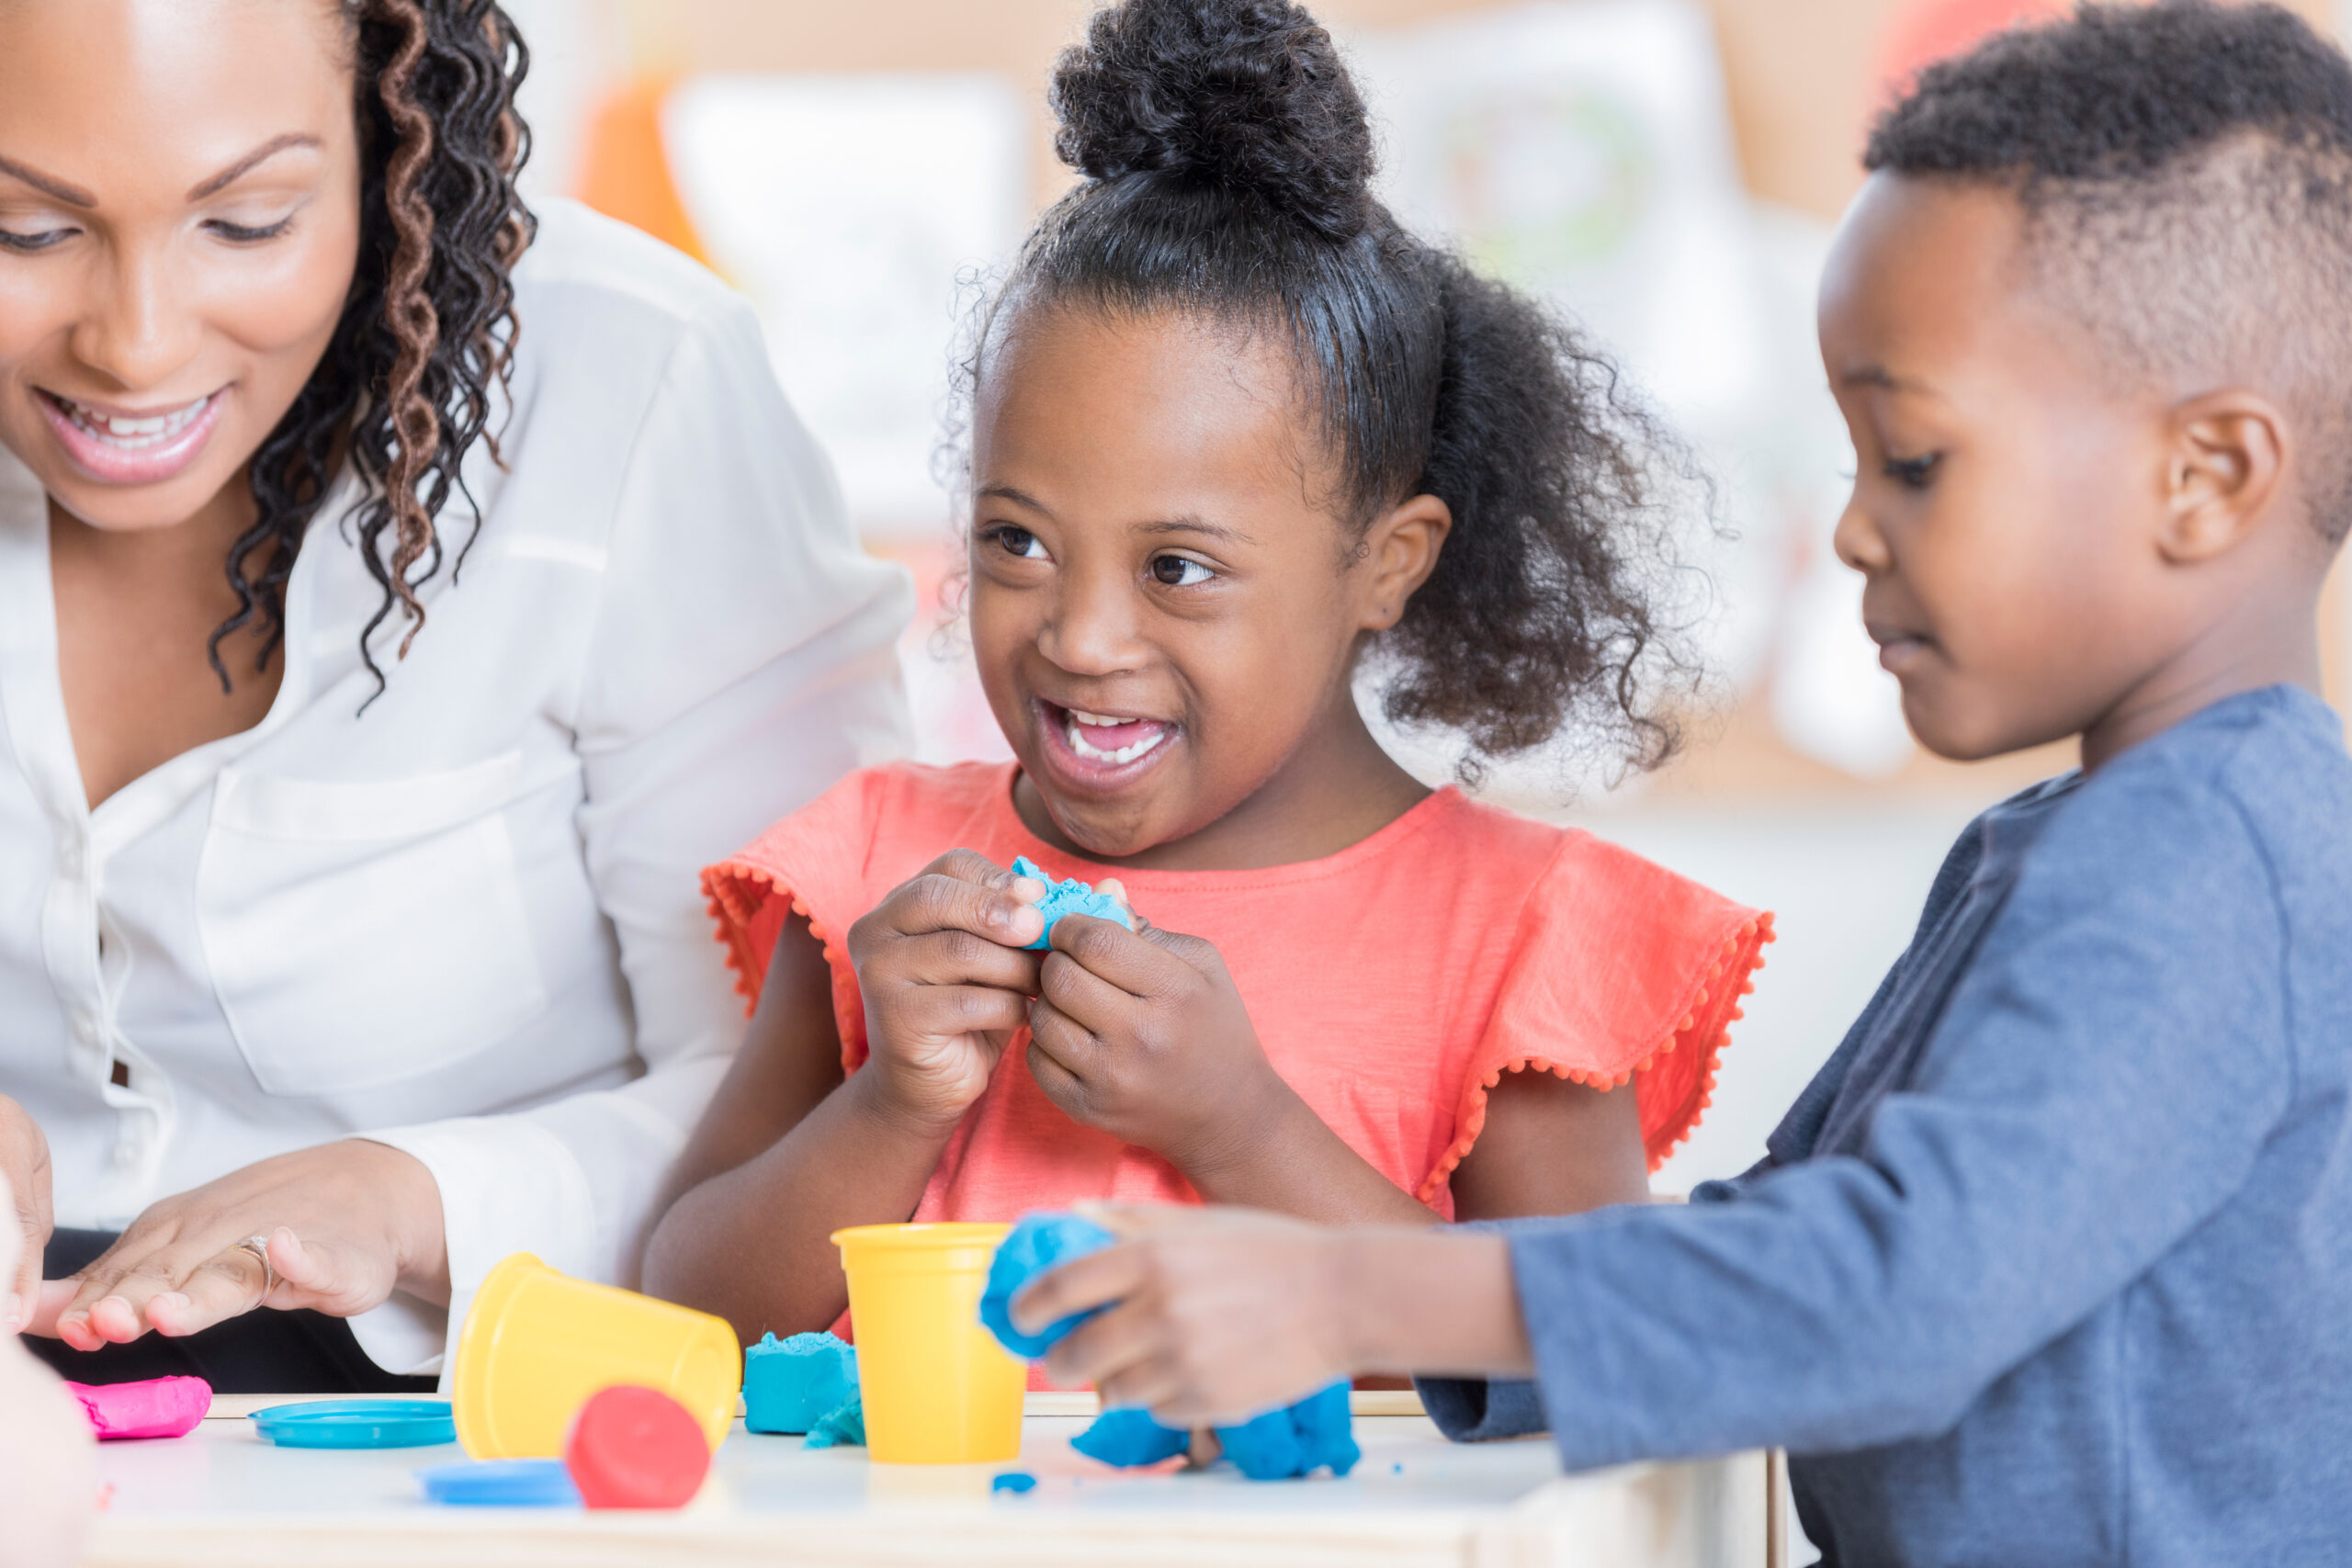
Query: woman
point(399, 599)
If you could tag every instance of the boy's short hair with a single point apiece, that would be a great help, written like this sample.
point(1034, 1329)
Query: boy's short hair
point(2186, 172)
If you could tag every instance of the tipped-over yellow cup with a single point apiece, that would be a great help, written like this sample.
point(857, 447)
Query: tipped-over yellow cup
point(537, 1343)
point(938, 1388)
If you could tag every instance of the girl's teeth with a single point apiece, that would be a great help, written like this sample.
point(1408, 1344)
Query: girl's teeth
point(1129, 754)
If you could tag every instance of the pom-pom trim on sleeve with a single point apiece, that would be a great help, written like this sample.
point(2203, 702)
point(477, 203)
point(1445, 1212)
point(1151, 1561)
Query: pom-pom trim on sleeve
point(738, 893)
point(1741, 955)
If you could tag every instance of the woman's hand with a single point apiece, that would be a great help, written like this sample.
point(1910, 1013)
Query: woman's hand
point(946, 979)
point(1220, 1314)
point(1142, 1034)
point(346, 1223)
point(24, 1171)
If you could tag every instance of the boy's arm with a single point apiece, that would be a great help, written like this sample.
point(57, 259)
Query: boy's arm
point(2101, 1082)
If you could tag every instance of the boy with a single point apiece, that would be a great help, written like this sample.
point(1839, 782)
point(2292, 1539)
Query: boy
point(2053, 1260)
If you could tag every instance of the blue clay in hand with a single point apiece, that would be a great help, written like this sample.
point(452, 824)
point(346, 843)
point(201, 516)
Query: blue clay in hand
point(1314, 1434)
point(1069, 897)
point(1039, 1242)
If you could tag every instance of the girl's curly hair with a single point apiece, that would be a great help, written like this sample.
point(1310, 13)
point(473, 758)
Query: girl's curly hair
point(1227, 164)
point(404, 390)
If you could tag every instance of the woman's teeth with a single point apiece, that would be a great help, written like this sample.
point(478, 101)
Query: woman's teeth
point(1111, 729)
point(132, 435)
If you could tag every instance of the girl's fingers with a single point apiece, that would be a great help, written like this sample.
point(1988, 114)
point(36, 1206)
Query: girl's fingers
point(961, 958)
point(1134, 962)
point(945, 1011)
point(966, 892)
point(1077, 991)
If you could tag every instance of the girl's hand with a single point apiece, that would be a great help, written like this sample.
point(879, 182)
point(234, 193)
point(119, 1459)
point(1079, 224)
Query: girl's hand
point(1142, 1034)
point(946, 982)
point(347, 1222)
point(1222, 1314)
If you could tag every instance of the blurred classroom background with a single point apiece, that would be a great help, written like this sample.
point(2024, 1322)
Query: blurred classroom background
point(1667, 171)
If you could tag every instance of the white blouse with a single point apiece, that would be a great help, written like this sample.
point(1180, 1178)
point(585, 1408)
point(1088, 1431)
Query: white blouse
point(466, 922)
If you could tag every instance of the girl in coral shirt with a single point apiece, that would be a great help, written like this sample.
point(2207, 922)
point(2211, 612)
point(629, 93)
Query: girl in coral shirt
point(1234, 432)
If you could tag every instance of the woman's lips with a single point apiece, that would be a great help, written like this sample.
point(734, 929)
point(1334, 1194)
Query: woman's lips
point(1098, 752)
point(121, 448)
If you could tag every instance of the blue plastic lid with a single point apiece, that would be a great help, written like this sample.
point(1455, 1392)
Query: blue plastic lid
point(357, 1424)
point(501, 1484)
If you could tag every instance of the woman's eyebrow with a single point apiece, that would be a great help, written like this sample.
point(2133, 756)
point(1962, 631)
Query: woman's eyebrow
point(72, 195)
point(245, 165)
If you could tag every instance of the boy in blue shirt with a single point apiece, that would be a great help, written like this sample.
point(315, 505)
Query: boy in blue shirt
point(2053, 1262)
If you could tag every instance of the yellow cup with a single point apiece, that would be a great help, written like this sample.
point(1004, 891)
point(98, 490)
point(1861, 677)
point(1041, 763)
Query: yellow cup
point(537, 1343)
point(938, 1388)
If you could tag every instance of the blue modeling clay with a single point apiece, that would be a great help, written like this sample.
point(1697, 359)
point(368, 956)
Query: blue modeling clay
point(1298, 1440)
point(1069, 897)
point(790, 1384)
point(840, 1428)
point(1130, 1438)
point(1013, 1480)
point(1037, 1244)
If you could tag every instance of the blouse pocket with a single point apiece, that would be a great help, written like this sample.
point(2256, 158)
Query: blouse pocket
point(363, 933)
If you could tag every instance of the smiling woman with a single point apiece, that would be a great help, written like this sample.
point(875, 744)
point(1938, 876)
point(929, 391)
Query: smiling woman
point(341, 955)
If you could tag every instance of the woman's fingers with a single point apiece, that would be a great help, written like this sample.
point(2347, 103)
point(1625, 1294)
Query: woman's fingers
point(24, 1169)
point(220, 1288)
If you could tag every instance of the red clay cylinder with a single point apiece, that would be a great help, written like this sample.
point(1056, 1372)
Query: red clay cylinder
point(636, 1448)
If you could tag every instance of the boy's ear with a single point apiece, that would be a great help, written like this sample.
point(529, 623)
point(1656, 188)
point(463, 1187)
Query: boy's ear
point(1398, 552)
point(2223, 473)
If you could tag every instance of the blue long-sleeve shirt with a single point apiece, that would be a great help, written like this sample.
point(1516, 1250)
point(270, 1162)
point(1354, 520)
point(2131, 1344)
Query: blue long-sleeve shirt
point(2053, 1262)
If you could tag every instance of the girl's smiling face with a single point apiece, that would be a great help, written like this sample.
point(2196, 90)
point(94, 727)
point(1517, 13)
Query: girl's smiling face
point(1164, 607)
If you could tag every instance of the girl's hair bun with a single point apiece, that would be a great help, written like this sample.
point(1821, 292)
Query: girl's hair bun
point(1247, 96)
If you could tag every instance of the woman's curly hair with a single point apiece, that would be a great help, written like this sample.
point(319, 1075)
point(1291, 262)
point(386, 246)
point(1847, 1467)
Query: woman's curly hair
point(1228, 162)
point(404, 390)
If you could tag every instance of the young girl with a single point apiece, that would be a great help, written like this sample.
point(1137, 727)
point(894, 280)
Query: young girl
point(1232, 429)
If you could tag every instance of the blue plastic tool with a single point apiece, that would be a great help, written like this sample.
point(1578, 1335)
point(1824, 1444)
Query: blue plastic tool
point(1013, 1480)
point(1070, 896)
point(1296, 1440)
point(501, 1484)
point(357, 1424)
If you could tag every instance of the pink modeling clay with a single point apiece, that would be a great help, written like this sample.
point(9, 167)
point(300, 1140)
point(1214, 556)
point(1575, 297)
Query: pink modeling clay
point(160, 1407)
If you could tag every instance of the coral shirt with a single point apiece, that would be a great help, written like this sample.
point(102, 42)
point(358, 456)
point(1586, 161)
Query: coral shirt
point(1391, 984)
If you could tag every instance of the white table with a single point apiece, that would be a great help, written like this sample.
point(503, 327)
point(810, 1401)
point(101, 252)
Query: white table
point(221, 1496)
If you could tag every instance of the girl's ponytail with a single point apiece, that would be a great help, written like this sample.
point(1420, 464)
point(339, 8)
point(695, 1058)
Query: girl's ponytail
point(1543, 606)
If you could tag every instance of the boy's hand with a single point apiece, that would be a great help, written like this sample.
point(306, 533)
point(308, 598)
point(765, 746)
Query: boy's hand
point(1223, 1314)
point(946, 982)
point(1142, 1034)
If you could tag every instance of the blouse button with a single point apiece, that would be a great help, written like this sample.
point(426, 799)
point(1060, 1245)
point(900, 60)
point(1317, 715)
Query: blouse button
point(70, 859)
